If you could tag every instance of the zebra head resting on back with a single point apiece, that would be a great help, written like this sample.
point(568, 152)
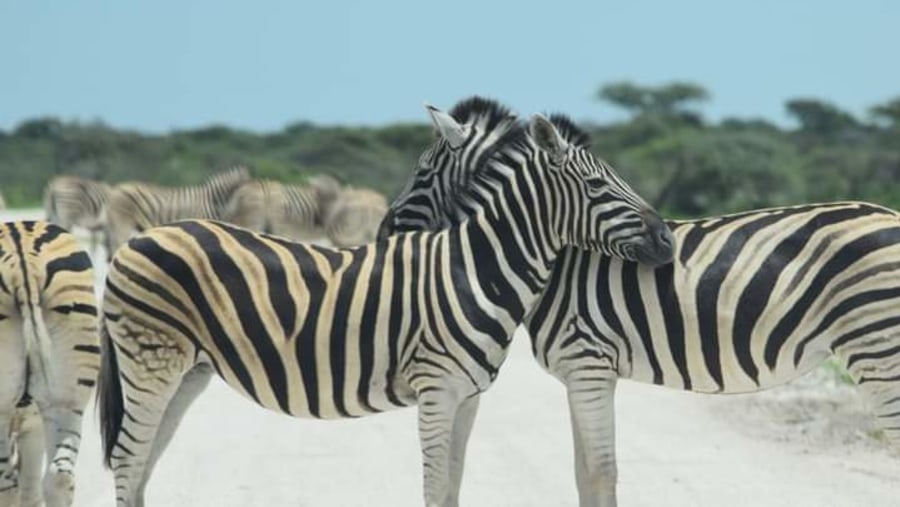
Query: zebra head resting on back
point(134, 207)
point(421, 319)
point(441, 194)
point(753, 300)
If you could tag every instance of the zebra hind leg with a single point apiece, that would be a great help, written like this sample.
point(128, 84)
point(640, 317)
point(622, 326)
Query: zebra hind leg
point(874, 364)
point(9, 470)
point(192, 384)
point(136, 388)
point(30, 445)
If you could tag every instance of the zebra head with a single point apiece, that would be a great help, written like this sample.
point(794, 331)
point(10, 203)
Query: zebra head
point(616, 220)
point(581, 201)
point(434, 197)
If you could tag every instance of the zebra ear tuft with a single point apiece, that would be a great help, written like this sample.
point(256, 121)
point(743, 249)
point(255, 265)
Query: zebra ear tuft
point(447, 126)
point(548, 138)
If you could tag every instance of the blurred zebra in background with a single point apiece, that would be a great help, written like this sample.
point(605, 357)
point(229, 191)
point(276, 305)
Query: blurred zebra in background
point(50, 358)
point(753, 300)
point(293, 211)
point(71, 201)
point(424, 318)
point(354, 216)
point(134, 207)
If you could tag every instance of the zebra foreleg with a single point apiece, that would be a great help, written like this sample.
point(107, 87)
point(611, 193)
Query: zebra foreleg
point(591, 407)
point(462, 428)
point(438, 411)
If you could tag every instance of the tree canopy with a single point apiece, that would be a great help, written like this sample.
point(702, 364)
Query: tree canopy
point(682, 163)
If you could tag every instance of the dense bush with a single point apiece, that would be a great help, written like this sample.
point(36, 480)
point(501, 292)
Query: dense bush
point(679, 161)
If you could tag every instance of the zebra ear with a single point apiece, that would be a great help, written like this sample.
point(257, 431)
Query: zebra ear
point(548, 138)
point(449, 128)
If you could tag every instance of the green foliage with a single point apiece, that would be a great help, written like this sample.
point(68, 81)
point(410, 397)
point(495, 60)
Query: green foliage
point(682, 164)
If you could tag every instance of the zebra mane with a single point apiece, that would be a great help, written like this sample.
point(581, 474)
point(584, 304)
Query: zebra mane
point(228, 177)
point(480, 109)
point(570, 131)
point(489, 115)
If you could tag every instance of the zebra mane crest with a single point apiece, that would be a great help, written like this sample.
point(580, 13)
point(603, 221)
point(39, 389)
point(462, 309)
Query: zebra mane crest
point(490, 113)
point(570, 131)
point(229, 176)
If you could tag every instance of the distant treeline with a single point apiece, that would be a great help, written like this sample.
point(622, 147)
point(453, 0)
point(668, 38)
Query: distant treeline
point(684, 164)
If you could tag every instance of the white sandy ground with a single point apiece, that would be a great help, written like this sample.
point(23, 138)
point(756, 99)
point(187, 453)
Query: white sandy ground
point(774, 448)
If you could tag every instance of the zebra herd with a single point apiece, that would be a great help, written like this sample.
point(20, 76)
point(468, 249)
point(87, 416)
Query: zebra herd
point(505, 221)
point(317, 210)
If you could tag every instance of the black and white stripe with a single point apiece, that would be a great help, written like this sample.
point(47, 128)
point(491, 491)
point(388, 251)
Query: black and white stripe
point(353, 217)
point(418, 319)
point(50, 358)
point(135, 207)
point(753, 300)
point(71, 201)
point(293, 211)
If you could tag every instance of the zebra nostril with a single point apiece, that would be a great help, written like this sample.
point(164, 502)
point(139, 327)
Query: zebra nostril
point(664, 238)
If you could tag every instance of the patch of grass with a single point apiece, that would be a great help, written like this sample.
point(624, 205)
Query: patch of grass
point(837, 371)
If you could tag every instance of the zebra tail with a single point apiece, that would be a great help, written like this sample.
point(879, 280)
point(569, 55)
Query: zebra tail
point(109, 395)
point(38, 348)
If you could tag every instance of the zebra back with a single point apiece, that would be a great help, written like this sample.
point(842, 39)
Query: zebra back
point(272, 207)
point(135, 206)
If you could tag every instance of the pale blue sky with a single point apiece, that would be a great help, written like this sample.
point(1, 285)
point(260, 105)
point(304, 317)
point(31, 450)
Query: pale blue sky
point(156, 65)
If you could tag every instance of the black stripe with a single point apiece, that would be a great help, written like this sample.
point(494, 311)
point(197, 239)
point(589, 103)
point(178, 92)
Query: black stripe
point(51, 232)
point(339, 326)
point(673, 319)
point(86, 309)
point(634, 303)
point(74, 262)
point(368, 324)
point(305, 342)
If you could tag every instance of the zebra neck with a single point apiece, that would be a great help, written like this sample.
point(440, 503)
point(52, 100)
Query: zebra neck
point(506, 258)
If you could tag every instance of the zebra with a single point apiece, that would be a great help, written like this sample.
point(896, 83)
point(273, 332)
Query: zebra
point(134, 207)
point(49, 343)
point(71, 201)
point(753, 300)
point(354, 217)
point(331, 333)
point(293, 211)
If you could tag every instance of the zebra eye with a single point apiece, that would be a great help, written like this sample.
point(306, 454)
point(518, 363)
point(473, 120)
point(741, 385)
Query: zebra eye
point(595, 183)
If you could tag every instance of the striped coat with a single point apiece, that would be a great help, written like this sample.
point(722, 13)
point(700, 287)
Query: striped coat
point(135, 207)
point(419, 319)
point(49, 346)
